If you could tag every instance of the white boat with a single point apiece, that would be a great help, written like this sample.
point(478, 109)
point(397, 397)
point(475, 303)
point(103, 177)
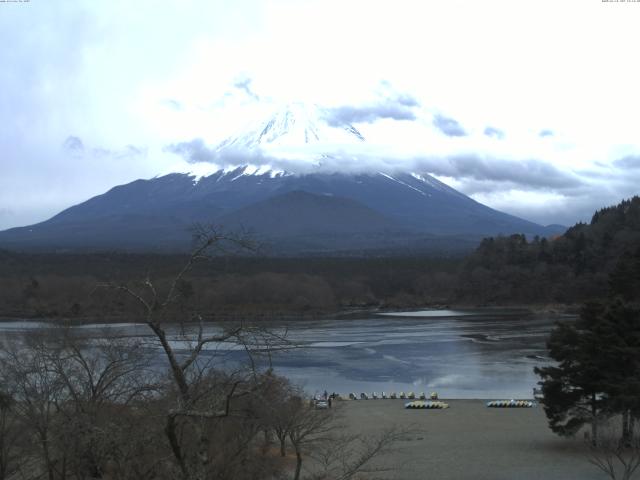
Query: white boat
point(420, 404)
point(510, 404)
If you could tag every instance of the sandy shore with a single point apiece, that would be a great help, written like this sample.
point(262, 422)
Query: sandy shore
point(471, 441)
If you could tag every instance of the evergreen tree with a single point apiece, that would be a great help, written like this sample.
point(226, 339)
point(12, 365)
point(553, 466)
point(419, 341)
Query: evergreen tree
point(619, 331)
point(624, 280)
point(574, 389)
point(598, 369)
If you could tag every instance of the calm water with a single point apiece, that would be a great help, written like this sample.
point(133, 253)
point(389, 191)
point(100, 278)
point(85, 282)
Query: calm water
point(459, 354)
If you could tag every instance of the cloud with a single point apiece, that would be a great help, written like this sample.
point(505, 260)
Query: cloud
point(391, 104)
point(193, 151)
point(448, 126)
point(370, 113)
point(129, 151)
point(546, 133)
point(73, 144)
point(628, 162)
point(5, 213)
point(601, 175)
point(173, 104)
point(481, 173)
point(530, 174)
point(76, 147)
point(494, 133)
point(244, 84)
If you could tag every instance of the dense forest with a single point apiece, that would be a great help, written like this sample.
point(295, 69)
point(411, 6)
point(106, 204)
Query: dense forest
point(567, 269)
point(64, 285)
point(570, 268)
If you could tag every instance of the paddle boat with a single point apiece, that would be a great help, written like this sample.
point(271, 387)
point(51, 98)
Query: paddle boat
point(421, 404)
point(510, 404)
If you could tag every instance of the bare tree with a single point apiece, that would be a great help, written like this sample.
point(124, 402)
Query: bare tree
point(276, 407)
point(616, 455)
point(343, 457)
point(200, 397)
point(102, 377)
point(317, 435)
point(38, 394)
point(71, 394)
point(308, 426)
point(10, 438)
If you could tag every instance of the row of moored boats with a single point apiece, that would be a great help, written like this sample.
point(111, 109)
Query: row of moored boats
point(393, 395)
point(510, 404)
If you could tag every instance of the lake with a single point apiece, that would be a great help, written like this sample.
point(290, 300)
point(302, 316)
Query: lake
point(459, 354)
point(467, 354)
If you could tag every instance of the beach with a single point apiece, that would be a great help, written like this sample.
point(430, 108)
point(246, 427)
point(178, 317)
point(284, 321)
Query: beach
point(470, 441)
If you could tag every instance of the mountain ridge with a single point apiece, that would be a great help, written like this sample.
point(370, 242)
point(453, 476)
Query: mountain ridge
point(362, 210)
point(169, 205)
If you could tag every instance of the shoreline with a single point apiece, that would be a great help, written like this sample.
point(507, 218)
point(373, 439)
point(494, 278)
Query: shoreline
point(341, 314)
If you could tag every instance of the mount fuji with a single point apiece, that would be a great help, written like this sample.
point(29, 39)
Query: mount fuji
point(295, 125)
point(294, 212)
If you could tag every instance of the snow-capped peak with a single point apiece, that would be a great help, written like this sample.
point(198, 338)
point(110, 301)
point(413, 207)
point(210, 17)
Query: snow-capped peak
point(294, 125)
point(234, 172)
point(257, 170)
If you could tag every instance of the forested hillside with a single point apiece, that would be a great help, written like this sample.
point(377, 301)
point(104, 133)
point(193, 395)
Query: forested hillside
point(580, 265)
point(64, 285)
point(570, 268)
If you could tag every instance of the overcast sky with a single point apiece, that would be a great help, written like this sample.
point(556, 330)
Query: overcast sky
point(530, 107)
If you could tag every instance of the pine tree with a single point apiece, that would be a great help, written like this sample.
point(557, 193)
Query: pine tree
point(598, 369)
point(574, 389)
point(619, 330)
point(624, 280)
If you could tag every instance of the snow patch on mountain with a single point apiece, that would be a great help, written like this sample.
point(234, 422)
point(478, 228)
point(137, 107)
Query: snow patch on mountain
point(258, 171)
point(293, 125)
point(438, 185)
point(404, 183)
point(198, 171)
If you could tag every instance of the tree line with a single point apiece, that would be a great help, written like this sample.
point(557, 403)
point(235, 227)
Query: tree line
point(503, 270)
point(249, 286)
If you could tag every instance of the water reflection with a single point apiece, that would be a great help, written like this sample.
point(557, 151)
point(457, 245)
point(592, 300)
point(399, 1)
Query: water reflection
point(461, 354)
point(470, 355)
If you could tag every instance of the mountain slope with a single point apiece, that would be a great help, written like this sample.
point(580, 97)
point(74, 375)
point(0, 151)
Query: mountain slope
point(157, 213)
point(368, 210)
point(302, 213)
